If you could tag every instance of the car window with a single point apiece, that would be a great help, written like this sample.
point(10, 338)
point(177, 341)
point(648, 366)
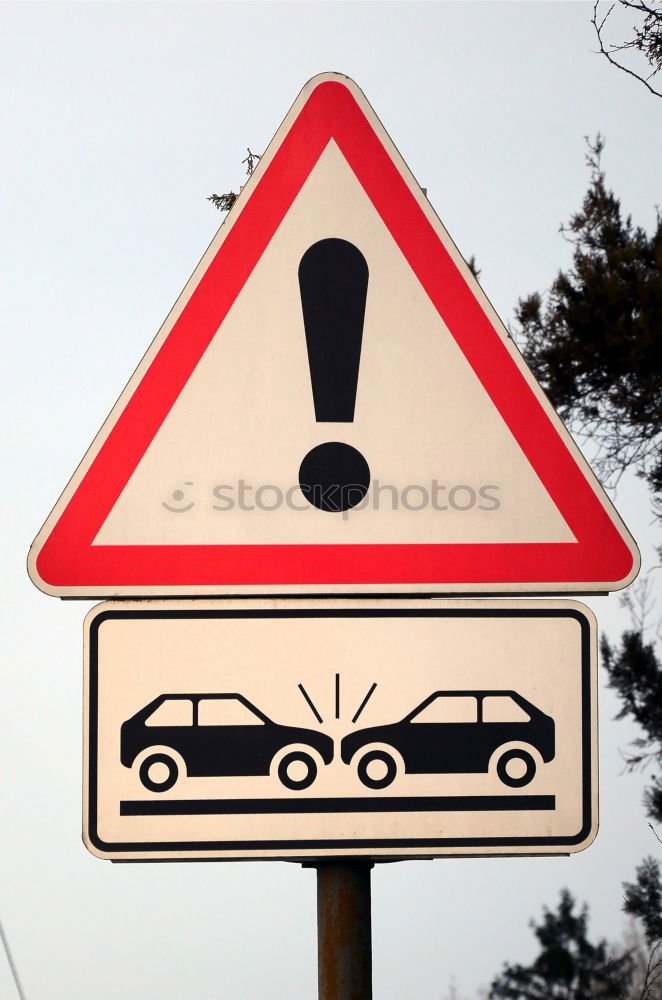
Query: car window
point(449, 708)
point(172, 712)
point(502, 708)
point(226, 712)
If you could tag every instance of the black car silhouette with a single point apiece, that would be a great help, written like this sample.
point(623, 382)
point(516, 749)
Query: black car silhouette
point(456, 732)
point(217, 735)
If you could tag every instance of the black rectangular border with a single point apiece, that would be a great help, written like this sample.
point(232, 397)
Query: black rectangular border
point(469, 844)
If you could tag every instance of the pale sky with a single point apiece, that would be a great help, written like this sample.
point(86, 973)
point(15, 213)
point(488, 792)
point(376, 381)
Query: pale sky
point(118, 121)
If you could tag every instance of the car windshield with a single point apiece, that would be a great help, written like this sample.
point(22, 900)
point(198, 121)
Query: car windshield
point(226, 712)
point(503, 708)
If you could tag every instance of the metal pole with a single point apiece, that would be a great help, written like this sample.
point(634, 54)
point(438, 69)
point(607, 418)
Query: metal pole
point(344, 933)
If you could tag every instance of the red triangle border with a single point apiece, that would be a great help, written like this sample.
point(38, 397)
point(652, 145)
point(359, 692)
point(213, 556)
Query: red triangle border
point(69, 559)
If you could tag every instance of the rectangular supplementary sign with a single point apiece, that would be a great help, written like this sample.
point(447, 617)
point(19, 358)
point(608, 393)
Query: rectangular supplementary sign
point(302, 729)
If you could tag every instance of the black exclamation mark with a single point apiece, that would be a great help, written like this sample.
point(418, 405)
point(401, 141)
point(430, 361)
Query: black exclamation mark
point(333, 280)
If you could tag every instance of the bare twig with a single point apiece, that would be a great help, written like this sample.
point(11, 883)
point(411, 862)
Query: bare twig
point(251, 161)
point(640, 602)
point(653, 972)
point(12, 965)
point(638, 42)
point(224, 202)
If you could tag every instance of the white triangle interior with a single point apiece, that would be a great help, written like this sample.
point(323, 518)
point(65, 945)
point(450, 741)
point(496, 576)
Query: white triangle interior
point(246, 415)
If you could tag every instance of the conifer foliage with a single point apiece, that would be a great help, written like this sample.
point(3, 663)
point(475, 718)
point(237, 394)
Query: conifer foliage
point(568, 967)
point(594, 341)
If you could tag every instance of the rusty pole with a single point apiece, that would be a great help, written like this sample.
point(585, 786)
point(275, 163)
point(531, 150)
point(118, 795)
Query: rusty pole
point(344, 933)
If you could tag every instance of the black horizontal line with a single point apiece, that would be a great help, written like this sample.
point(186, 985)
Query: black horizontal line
point(426, 803)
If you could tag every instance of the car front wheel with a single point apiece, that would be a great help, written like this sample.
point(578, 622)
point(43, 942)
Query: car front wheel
point(297, 770)
point(377, 769)
point(158, 772)
point(516, 768)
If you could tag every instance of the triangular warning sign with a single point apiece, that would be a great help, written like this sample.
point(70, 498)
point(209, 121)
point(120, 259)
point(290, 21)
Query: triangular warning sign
point(332, 406)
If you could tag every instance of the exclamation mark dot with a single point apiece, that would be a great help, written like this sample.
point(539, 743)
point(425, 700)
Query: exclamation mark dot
point(333, 280)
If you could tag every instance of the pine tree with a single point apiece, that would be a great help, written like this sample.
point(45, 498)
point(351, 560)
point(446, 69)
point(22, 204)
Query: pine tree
point(594, 341)
point(569, 966)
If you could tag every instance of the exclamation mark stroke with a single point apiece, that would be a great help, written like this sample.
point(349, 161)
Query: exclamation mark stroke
point(333, 280)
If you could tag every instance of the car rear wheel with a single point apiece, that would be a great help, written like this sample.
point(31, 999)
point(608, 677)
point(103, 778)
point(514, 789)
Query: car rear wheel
point(377, 769)
point(297, 770)
point(516, 768)
point(158, 772)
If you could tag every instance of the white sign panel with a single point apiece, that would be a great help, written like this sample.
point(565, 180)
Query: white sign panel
point(297, 729)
